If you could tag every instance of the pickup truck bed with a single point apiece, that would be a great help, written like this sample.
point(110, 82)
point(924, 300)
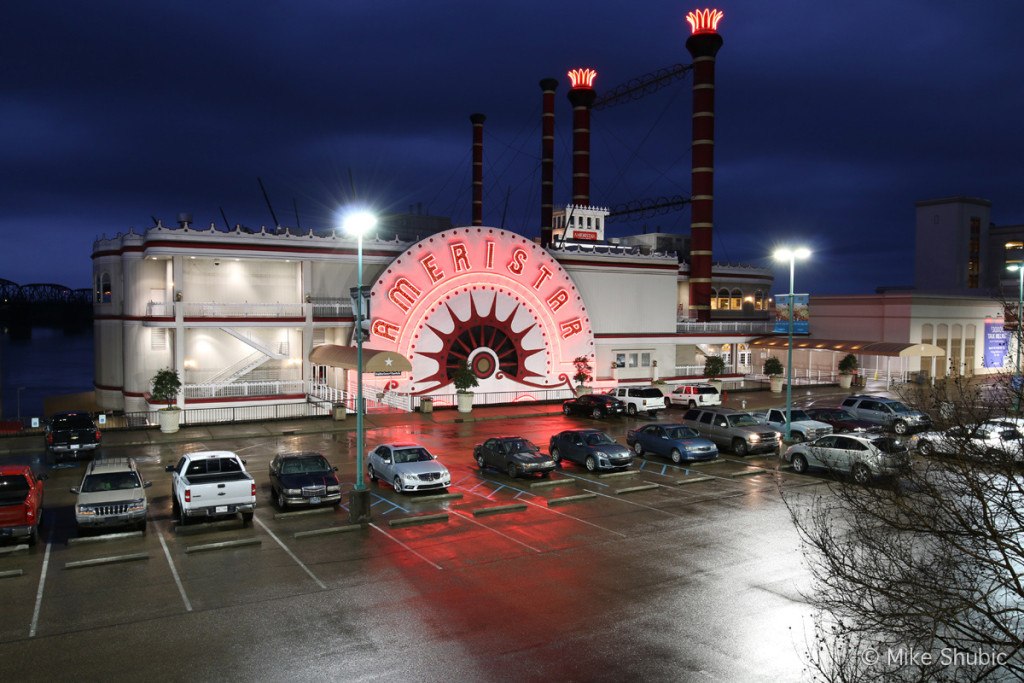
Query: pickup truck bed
point(209, 484)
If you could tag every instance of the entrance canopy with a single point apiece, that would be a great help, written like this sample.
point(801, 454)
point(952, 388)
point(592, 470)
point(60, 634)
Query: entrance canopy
point(890, 349)
point(346, 357)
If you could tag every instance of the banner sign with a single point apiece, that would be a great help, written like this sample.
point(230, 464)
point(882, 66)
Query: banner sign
point(997, 345)
point(801, 314)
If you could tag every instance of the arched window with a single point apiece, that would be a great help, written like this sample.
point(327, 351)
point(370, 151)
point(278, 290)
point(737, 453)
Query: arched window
point(737, 300)
point(758, 300)
point(723, 299)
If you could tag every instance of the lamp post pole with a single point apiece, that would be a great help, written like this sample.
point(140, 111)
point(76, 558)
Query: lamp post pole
point(790, 255)
point(1020, 305)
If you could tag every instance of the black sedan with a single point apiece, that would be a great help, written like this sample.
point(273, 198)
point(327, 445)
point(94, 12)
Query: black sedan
point(594, 405)
point(304, 479)
point(72, 433)
point(841, 420)
point(513, 455)
point(591, 448)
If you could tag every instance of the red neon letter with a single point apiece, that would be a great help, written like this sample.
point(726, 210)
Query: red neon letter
point(544, 275)
point(558, 299)
point(382, 328)
point(515, 266)
point(571, 327)
point(459, 257)
point(490, 255)
point(435, 273)
point(403, 294)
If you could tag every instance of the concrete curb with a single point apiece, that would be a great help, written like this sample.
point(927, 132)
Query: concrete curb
point(499, 509)
point(549, 483)
point(223, 544)
point(419, 519)
point(694, 480)
point(633, 489)
point(12, 573)
point(436, 496)
point(748, 473)
point(552, 502)
point(305, 513)
point(328, 530)
point(201, 528)
point(624, 473)
point(20, 548)
point(105, 537)
point(116, 559)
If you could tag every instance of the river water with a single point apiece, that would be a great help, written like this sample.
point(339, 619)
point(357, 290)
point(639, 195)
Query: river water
point(51, 363)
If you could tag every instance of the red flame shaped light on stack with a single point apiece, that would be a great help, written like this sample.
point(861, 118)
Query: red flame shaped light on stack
point(704, 20)
point(582, 78)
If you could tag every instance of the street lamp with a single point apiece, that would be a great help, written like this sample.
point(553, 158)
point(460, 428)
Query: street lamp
point(1016, 383)
point(790, 255)
point(358, 223)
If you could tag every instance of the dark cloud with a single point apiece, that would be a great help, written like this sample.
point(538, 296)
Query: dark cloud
point(832, 119)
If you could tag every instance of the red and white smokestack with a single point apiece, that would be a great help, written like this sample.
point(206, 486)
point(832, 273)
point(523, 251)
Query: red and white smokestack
point(703, 45)
point(581, 96)
point(478, 167)
point(547, 159)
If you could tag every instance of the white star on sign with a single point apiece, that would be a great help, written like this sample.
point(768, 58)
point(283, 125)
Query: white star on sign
point(388, 362)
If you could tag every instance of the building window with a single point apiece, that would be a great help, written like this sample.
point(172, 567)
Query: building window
point(104, 292)
point(758, 300)
point(737, 300)
point(973, 253)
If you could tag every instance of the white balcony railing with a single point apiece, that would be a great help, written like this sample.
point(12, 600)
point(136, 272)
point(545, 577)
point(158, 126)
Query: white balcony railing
point(198, 309)
point(243, 389)
point(742, 327)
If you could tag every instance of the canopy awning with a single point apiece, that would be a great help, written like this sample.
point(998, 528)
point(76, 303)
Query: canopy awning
point(891, 349)
point(346, 357)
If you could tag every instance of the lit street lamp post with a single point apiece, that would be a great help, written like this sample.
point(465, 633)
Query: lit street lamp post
point(790, 255)
point(358, 224)
point(1016, 383)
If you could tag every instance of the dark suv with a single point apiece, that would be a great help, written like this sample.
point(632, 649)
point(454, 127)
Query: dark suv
point(72, 432)
point(887, 412)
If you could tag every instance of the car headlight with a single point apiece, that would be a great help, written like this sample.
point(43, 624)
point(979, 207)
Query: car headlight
point(408, 475)
point(293, 492)
point(137, 505)
point(85, 511)
point(334, 489)
point(755, 438)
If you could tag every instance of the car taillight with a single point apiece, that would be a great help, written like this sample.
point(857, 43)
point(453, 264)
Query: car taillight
point(29, 512)
point(188, 495)
point(98, 435)
point(254, 489)
point(49, 439)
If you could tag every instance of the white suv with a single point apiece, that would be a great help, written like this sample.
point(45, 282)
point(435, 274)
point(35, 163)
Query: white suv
point(639, 399)
point(693, 395)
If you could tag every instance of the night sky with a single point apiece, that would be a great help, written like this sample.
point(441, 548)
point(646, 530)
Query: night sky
point(833, 118)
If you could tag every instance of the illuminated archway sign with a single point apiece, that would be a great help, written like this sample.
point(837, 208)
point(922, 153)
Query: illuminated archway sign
point(485, 296)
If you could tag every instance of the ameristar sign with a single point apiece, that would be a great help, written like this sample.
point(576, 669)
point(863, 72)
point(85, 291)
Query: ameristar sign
point(485, 296)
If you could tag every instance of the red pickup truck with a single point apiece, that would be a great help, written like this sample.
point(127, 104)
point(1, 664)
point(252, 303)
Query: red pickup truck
point(21, 502)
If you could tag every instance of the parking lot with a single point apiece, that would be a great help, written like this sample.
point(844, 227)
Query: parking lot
point(490, 540)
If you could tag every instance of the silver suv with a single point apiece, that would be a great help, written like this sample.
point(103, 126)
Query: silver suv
point(864, 457)
point(111, 494)
point(733, 429)
point(888, 412)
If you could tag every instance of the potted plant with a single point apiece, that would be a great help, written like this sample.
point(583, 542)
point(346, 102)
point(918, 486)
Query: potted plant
point(773, 368)
point(584, 373)
point(713, 367)
point(464, 379)
point(847, 367)
point(166, 387)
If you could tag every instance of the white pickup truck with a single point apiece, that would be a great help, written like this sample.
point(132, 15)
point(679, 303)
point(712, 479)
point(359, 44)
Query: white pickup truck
point(211, 484)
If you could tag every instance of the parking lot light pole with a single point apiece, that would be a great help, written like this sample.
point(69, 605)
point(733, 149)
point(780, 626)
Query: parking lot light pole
point(1016, 384)
point(790, 255)
point(358, 224)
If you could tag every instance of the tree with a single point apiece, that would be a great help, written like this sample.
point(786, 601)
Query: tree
point(463, 378)
point(584, 371)
point(848, 364)
point(713, 366)
point(166, 387)
point(932, 562)
point(773, 366)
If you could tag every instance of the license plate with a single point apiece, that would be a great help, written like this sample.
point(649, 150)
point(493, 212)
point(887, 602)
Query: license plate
point(220, 508)
point(74, 446)
point(314, 500)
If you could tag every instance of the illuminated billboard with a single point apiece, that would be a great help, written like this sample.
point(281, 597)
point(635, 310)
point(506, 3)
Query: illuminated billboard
point(801, 314)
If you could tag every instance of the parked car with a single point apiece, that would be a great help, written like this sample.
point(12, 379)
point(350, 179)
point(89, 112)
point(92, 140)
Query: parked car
point(112, 494)
point(640, 399)
point(594, 405)
point(208, 484)
point(674, 441)
point(802, 426)
point(514, 455)
point(72, 432)
point(733, 429)
point(991, 438)
point(864, 457)
point(591, 448)
point(21, 502)
point(303, 478)
point(887, 412)
point(408, 467)
point(693, 395)
point(842, 421)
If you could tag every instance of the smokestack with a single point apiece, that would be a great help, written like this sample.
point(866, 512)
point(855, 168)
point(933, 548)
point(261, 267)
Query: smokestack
point(478, 167)
point(581, 96)
point(547, 159)
point(703, 45)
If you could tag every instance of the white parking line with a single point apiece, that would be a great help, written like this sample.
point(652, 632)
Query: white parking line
point(503, 535)
point(291, 554)
point(554, 512)
point(174, 572)
point(435, 566)
point(39, 592)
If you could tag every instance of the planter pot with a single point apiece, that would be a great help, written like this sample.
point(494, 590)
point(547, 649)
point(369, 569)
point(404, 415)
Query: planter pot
point(845, 381)
point(776, 383)
point(581, 390)
point(465, 400)
point(170, 420)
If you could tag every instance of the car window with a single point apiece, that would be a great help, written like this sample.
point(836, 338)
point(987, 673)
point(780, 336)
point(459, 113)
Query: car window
point(707, 390)
point(743, 420)
point(411, 455)
point(826, 442)
point(691, 415)
point(870, 405)
point(898, 407)
point(110, 481)
point(887, 444)
point(73, 422)
point(648, 393)
point(13, 486)
point(798, 415)
point(705, 418)
point(850, 402)
point(598, 438)
point(681, 432)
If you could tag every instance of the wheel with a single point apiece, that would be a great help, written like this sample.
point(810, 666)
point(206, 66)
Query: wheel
point(652, 413)
point(511, 470)
point(597, 413)
point(739, 447)
point(556, 456)
point(480, 460)
point(861, 473)
point(631, 409)
point(638, 448)
point(33, 536)
point(397, 483)
point(676, 456)
point(591, 463)
point(182, 517)
point(281, 503)
point(796, 437)
point(545, 474)
point(799, 464)
point(247, 518)
point(900, 427)
point(371, 473)
point(692, 404)
point(141, 526)
point(925, 448)
point(566, 409)
point(668, 402)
